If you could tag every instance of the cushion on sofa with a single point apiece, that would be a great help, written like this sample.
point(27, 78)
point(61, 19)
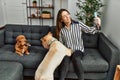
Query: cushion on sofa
point(92, 56)
point(90, 40)
point(32, 33)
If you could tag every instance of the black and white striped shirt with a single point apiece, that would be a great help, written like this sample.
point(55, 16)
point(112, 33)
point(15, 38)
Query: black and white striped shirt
point(72, 38)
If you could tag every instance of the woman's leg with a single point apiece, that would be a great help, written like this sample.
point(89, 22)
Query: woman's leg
point(76, 60)
point(64, 68)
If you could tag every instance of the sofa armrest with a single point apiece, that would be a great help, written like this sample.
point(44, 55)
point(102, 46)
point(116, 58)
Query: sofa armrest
point(110, 52)
point(1, 36)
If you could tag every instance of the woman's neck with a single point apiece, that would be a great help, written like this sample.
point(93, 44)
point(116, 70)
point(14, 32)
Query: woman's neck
point(68, 25)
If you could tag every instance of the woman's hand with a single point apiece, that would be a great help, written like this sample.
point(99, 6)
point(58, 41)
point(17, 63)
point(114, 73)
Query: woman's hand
point(97, 22)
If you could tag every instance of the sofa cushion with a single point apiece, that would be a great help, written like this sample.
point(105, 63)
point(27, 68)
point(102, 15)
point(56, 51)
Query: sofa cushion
point(93, 62)
point(90, 40)
point(11, 70)
point(32, 32)
point(32, 60)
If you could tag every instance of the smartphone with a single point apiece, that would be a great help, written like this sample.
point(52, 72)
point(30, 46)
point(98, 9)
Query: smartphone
point(95, 14)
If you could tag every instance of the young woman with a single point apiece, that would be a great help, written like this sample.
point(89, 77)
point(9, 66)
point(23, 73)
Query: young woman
point(69, 32)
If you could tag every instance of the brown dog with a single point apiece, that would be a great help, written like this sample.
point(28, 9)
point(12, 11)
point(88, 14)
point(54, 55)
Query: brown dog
point(53, 58)
point(117, 73)
point(21, 45)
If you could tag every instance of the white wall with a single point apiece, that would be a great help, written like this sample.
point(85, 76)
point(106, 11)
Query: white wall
point(3, 20)
point(1, 15)
point(111, 21)
point(72, 8)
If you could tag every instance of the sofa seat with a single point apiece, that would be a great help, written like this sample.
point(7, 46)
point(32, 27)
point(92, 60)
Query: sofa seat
point(92, 56)
point(99, 65)
point(30, 61)
point(11, 70)
point(37, 53)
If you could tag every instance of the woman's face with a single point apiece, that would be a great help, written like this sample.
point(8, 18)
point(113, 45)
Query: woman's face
point(66, 17)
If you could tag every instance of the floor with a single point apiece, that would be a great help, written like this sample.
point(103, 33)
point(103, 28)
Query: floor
point(31, 78)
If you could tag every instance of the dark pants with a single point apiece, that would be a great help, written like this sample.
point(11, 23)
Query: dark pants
point(76, 60)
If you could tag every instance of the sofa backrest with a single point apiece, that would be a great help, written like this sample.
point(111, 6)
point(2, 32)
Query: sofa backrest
point(90, 40)
point(33, 33)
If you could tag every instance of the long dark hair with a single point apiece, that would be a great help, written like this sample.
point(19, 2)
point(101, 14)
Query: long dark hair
point(59, 24)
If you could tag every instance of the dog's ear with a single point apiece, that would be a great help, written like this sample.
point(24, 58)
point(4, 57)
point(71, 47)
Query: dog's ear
point(50, 33)
point(43, 39)
point(17, 38)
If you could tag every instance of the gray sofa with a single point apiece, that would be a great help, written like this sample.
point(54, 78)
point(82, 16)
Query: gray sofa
point(99, 62)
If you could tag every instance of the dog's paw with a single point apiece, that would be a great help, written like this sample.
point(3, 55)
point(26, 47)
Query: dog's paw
point(27, 53)
point(23, 51)
point(21, 54)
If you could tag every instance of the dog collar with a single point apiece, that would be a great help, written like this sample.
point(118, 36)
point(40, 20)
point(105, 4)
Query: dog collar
point(51, 41)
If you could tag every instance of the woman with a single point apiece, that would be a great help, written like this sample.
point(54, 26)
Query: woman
point(69, 32)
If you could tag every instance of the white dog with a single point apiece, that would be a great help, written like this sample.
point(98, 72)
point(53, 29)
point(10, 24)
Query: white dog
point(53, 58)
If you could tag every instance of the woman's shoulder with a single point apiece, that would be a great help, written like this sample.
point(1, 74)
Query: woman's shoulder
point(75, 22)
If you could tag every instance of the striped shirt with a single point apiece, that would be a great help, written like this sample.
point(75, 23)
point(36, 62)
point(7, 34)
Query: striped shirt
point(72, 38)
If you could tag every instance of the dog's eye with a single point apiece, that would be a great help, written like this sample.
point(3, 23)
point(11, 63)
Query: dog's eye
point(19, 41)
point(44, 39)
